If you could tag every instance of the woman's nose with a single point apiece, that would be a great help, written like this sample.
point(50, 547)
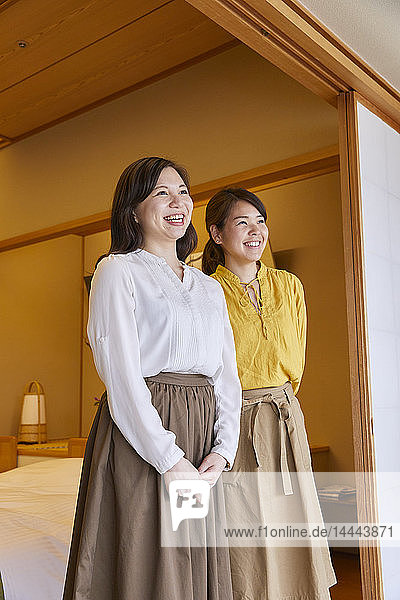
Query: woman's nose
point(174, 200)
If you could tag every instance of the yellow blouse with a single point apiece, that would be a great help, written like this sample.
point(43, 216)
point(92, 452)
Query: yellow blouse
point(270, 347)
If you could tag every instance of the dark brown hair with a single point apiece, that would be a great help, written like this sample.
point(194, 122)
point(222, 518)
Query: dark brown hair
point(136, 182)
point(217, 212)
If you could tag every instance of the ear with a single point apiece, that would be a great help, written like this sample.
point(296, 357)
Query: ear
point(215, 234)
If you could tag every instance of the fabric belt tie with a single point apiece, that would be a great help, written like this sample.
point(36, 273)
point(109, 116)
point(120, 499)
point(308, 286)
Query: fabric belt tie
point(280, 399)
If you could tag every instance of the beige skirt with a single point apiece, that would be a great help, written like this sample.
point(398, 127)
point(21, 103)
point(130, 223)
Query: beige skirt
point(272, 483)
point(116, 552)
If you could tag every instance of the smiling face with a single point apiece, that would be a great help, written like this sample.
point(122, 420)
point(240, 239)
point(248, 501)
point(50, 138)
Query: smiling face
point(166, 212)
point(244, 235)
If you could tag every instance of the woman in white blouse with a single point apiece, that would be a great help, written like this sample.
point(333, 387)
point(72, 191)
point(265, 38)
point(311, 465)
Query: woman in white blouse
point(163, 346)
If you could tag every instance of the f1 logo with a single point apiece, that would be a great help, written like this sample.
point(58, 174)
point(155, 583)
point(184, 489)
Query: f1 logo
point(189, 499)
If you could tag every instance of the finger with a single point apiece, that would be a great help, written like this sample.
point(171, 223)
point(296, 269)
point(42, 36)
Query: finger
point(205, 469)
point(204, 465)
point(213, 460)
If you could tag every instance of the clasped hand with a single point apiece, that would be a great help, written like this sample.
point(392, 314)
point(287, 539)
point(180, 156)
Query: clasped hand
point(209, 470)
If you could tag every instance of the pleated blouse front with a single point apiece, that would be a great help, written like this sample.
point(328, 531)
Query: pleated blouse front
point(270, 346)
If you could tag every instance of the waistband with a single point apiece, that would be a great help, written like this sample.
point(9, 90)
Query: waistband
point(268, 394)
point(185, 379)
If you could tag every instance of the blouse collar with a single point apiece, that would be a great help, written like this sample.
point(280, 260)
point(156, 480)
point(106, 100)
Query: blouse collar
point(227, 274)
point(153, 258)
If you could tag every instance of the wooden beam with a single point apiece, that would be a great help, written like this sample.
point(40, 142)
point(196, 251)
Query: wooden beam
point(255, 29)
point(307, 16)
point(297, 168)
point(92, 224)
point(290, 37)
point(5, 141)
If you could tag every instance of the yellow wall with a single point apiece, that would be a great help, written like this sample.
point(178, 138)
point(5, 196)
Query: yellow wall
point(230, 113)
point(40, 331)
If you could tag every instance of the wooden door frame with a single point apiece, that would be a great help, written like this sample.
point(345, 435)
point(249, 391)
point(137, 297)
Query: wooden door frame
point(290, 37)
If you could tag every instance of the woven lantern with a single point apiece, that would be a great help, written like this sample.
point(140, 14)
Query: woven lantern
point(32, 428)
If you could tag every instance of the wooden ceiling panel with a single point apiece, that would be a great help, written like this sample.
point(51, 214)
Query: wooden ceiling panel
point(77, 59)
point(53, 30)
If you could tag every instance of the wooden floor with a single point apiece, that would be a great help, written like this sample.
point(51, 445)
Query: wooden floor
point(347, 569)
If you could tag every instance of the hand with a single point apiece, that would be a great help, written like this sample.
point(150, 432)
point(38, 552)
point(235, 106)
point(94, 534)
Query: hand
point(211, 467)
point(182, 470)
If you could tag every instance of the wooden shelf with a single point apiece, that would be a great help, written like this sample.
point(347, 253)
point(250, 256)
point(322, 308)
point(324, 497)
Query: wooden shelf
point(56, 448)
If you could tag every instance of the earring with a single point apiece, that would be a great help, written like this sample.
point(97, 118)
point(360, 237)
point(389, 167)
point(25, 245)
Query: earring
point(135, 217)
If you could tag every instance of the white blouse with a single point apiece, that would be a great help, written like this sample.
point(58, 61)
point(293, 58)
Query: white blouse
point(143, 320)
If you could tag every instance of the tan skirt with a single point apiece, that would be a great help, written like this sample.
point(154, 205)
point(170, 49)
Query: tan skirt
point(115, 551)
point(273, 440)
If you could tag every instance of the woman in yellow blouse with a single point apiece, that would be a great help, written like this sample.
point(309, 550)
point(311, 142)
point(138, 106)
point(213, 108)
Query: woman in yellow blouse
point(268, 316)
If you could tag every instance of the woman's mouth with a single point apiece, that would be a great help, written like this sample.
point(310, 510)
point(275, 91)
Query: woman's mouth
point(254, 244)
point(177, 219)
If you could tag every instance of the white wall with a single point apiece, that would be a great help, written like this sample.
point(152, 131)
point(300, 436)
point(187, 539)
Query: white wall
point(380, 179)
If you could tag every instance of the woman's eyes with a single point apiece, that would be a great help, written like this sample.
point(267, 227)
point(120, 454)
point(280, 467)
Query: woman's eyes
point(164, 192)
point(245, 222)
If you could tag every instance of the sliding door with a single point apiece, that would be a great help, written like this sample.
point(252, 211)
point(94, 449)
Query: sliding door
point(370, 173)
point(379, 151)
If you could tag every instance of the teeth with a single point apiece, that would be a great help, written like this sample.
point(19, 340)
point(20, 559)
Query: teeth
point(252, 243)
point(174, 218)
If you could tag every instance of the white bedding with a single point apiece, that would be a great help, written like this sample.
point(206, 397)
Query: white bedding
point(37, 504)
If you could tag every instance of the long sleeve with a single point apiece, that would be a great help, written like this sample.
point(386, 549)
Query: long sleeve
point(113, 336)
point(301, 327)
point(228, 393)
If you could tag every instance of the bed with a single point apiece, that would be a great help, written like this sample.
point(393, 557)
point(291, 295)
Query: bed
point(37, 504)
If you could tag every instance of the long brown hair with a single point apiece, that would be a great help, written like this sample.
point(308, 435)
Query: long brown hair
point(136, 182)
point(217, 212)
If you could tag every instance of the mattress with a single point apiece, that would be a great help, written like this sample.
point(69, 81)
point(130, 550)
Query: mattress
point(37, 504)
